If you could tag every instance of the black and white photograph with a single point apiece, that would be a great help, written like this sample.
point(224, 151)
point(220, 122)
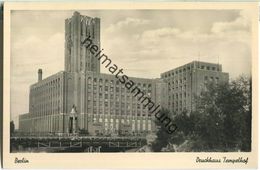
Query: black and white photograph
point(132, 81)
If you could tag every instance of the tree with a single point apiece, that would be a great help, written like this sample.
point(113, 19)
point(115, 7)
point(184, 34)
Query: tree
point(244, 84)
point(163, 137)
point(225, 116)
point(221, 121)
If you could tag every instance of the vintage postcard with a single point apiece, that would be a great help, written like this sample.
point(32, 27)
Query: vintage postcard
point(130, 85)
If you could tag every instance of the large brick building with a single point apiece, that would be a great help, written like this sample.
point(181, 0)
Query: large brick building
point(101, 104)
point(188, 81)
point(83, 100)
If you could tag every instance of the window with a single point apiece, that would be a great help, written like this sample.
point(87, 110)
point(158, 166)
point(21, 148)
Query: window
point(95, 110)
point(149, 125)
point(111, 89)
point(133, 125)
point(144, 124)
point(138, 125)
point(89, 81)
point(117, 124)
point(111, 96)
point(111, 104)
point(217, 79)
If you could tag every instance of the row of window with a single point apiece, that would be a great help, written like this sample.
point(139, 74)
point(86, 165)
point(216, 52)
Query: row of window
point(180, 88)
point(206, 78)
point(49, 85)
point(181, 70)
point(42, 124)
point(44, 108)
point(212, 68)
point(178, 95)
point(135, 124)
point(113, 106)
point(113, 89)
point(132, 112)
point(177, 109)
point(117, 104)
point(100, 80)
point(88, 24)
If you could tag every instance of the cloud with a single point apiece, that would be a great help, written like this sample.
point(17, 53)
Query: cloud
point(242, 23)
point(127, 24)
point(226, 41)
point(152, 36)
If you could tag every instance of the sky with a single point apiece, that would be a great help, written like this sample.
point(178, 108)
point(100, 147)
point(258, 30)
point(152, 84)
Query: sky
point(144, 43)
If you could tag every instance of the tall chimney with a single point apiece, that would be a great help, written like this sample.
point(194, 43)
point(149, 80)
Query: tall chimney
point(39, 75)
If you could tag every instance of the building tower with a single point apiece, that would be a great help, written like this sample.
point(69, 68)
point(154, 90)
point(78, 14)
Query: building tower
point(77, 57)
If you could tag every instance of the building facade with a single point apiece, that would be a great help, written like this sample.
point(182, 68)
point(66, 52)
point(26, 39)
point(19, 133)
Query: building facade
point(81, 100)
point(188, 81)
point(100, 101)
